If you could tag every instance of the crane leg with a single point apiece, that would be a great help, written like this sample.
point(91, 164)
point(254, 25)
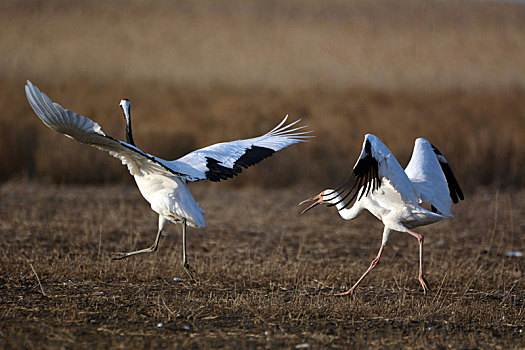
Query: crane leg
point(370, 268)
point(187, 267)
point(151, 249)
point(421, 277)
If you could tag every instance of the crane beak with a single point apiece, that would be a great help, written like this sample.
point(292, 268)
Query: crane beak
point(317, 200)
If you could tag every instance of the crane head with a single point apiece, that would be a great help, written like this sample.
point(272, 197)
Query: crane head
point(316, 200)
point(124, 104)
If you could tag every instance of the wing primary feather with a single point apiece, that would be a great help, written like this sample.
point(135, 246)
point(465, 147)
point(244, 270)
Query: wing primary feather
point(292, 133)
point(285, 128)
point(279, 125)
point(35, 103)
point(46, 104)
point(295, 133)
point(39, 99)
point(51, 105)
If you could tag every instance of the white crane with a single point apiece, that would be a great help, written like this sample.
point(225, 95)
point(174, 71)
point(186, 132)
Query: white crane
point(395, 196)
point(164, 183)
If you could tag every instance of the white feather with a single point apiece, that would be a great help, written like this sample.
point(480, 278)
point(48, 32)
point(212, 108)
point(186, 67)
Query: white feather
point(389, 168)
point(161, 182)
point(426, 175)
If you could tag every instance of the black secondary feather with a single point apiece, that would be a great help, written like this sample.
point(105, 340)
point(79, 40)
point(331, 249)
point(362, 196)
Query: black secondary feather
point(252, 156)
point(364, 179)
point(453, 186)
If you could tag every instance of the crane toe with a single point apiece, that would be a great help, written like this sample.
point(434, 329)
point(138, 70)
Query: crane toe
point(348, 292)
point(119, 256)
point(190, 271)
point(424, 284)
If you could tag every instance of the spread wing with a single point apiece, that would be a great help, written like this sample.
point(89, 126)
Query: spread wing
point(227, 159)
point(215, 163)
point(375, 165)
point(433, 178)
point(86, 131)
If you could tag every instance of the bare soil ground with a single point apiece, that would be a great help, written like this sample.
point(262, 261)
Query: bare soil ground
point(266, 274)
point(202, 72)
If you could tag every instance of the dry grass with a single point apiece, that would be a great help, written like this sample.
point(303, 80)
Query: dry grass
point(199, 73)
point(418, 45)
point(481, 134)
point(203, 72)
point(267, 275)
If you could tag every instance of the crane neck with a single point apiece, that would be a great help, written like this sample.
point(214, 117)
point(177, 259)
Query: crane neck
point(332, 197)
point(129, 132)
point(127, 114)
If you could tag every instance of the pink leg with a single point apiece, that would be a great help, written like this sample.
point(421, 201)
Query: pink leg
point(370, 268)
point(421, 276)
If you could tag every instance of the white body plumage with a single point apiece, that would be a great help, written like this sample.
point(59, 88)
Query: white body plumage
point(398, 198)
point(395, 196)
point(170, 197)
point(164, 183)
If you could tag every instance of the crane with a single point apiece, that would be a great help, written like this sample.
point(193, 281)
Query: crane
point(395, 196)
point(164, 184)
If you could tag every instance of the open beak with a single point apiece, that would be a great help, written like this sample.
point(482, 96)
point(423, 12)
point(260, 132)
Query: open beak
point(317, 200)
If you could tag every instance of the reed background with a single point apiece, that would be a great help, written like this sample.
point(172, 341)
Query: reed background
point(202, 72)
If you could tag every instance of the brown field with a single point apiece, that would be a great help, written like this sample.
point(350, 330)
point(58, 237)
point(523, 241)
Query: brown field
point(266, 274)
point(202, 72)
